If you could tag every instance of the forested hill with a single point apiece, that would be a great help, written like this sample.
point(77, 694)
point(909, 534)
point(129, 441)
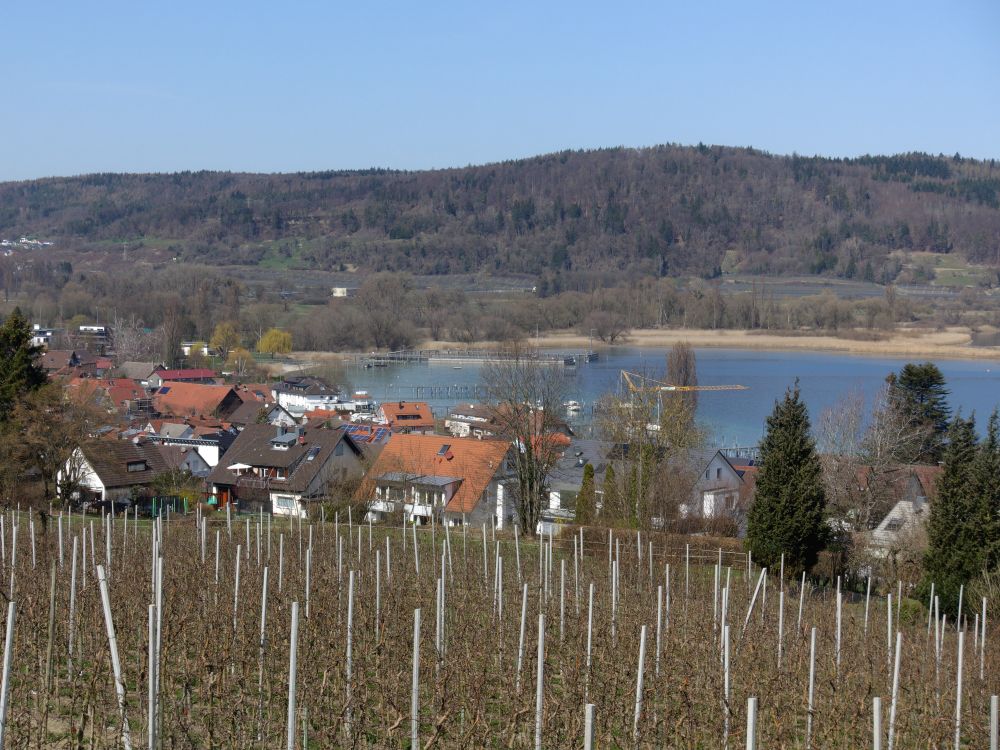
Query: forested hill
point(666, 211)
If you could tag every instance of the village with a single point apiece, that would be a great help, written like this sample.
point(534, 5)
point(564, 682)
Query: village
point(298, 446)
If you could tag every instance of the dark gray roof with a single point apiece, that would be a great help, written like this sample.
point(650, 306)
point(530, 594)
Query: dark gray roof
point(254, 447)
point(249, 411)
point(567, 474)
point(139, 370)
point(424, 479)
point(110, 460)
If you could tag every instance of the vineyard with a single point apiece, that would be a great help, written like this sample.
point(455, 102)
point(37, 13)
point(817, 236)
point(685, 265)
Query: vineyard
point(251, 632)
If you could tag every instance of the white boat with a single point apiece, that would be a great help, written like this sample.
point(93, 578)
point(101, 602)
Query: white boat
point(573, 406)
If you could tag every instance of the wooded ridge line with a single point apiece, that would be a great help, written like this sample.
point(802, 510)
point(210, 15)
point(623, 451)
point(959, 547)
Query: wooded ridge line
point(662, 211)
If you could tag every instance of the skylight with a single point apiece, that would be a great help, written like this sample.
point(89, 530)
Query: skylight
point(444, 449)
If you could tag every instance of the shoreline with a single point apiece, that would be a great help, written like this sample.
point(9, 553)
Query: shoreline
point(952, 343)
point(917, 343)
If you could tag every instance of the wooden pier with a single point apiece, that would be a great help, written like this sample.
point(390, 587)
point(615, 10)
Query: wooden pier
point(452, 356)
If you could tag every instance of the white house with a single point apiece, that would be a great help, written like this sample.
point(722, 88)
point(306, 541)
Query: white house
point(111, 470)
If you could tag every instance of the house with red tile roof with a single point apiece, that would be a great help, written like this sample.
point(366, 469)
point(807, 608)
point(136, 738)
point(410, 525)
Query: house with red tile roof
point(457, 480)
point(181, 399)
point(408, 417)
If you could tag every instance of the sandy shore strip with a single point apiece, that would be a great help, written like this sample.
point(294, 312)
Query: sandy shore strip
point(952, 343)
point(918, 343)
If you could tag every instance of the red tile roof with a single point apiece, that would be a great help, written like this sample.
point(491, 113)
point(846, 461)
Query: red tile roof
point(474, 461)
point(191, 399)
point(403, 415)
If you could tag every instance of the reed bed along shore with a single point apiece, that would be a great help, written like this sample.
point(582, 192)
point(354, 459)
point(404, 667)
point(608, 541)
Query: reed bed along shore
point(254, 632)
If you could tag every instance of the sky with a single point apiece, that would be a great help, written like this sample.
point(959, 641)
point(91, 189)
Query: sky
point(292, 86)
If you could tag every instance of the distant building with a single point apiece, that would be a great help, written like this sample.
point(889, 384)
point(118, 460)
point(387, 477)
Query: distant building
point(159, 378)
point(303, 393)
point(407, 417)
point(42, 336)
point(182, 399)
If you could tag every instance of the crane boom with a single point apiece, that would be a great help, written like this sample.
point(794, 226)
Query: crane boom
point(629, 379)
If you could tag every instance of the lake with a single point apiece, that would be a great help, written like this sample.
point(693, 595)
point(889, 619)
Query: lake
point(732, 418)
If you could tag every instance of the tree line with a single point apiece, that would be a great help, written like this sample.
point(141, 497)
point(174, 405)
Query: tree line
point(802, 504)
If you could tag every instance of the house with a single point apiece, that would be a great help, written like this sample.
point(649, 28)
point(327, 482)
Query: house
point(129, 398)
point(483, 420)
point(470, 420)
point(254, 391)
point(42, 337)
point(112, 470)
point(140, 371)
point(160, 378)
point(185, 458)
point(455, 479)
point(258, 412)
point(304, 393)
point(566, 475)
point(199, 346)
point(270, 468)
point(182, 399)
point(210, 444)
point(913, 487)
point(65, 361)
point(167, 429)
point(407, 417)
point(717, 490)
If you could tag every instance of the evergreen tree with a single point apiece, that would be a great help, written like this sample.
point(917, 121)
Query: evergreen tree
point(19, 368)
point(986, 482)
point(954, 555)
point(585, 499)
point(787, 515)
point(610, 494)
point(920, 395)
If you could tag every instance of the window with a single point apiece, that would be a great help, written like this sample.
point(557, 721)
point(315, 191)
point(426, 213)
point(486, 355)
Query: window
point(718, 473)
point(136, 466)
point(895, 524)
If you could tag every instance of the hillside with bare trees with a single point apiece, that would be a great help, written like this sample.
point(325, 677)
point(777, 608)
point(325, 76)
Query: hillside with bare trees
point(573, 219)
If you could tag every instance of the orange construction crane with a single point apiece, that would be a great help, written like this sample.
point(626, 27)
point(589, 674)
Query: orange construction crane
point(651, 385)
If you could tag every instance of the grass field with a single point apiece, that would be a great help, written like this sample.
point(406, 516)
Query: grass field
point(222, 686)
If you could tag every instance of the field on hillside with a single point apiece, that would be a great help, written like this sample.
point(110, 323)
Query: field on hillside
point(222, 685)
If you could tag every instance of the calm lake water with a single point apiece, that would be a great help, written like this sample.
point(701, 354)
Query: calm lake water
point(733, 418)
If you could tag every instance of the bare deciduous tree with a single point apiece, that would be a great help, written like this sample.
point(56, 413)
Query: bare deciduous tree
point(863, 459)
point(525, 396)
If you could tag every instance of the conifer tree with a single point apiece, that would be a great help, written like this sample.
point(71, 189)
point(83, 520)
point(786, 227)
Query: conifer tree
point(586, 497)
point(954, 554)
point(987, 473)
point(19, 368)
point(609, 501)
point(921, 397)
point(787, 514)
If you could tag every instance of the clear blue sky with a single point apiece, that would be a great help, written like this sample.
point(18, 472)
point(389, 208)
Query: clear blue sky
point(139, 86)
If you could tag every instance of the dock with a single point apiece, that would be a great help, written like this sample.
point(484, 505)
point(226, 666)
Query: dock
point(453, 356)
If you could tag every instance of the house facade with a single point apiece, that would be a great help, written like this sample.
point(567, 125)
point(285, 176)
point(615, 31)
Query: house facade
point(112, 470)
point(412, 417)
point(280, 471)
point(455, 480)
